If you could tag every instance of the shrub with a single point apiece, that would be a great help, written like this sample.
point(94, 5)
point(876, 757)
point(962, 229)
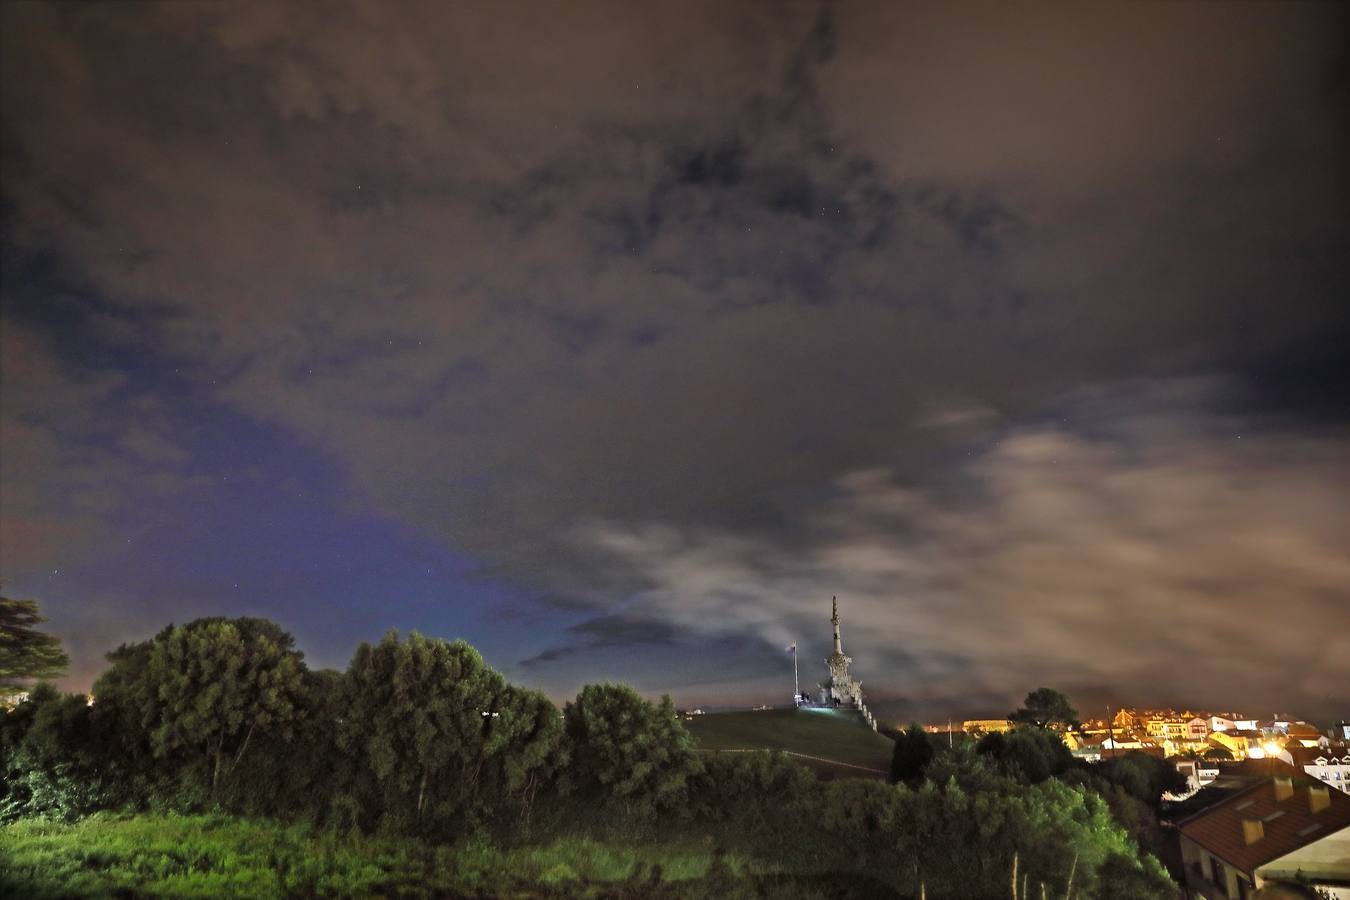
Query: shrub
point(628, 750)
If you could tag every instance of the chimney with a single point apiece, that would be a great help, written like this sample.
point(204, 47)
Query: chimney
point(1319, 798)
point(1284, 788)
point(1252, 831)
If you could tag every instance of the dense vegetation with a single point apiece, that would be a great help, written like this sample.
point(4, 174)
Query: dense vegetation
point(214, 762)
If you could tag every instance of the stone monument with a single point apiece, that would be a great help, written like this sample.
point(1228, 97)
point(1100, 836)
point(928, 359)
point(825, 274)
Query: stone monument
point(841, 688)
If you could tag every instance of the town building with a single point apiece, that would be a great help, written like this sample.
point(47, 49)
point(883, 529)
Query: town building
point(1241, 742)
point(1292, 727)
point(1328, 763)
point(1172, 727)
point(1122, 743)
point(1199, 774)
point(1087, 752)
point(1299, 733)
point(1231, 722)
point(1285, 829)
point(1125, 719)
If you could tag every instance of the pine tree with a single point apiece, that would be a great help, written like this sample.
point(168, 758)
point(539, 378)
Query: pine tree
point(913, 752)
point(25, 652)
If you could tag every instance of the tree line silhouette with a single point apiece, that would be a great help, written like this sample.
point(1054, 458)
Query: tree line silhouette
point(420, 737)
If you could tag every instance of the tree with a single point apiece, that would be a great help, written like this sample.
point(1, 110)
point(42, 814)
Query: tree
point(1143, 776)
point(25, 652)
point(1138, 819)
point(301, 775)
point(628, 749)
point(1045, 707)
point(1033, 754)
point(202, 690)
point(975, 771)
point(913, 752)
point(438, 730)
point(128, 703)
point(526, 749)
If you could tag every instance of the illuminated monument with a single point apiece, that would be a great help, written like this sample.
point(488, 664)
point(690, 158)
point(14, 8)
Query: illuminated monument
point(841, 688)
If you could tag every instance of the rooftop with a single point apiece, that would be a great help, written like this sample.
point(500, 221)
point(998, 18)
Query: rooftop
point(1286, 822)
point(1306, 756)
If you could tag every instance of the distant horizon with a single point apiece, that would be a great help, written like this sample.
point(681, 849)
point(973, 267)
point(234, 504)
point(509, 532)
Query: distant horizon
point(886, 705)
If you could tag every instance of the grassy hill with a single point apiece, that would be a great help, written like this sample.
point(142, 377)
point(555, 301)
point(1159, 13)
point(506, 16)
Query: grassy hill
point(836, 743)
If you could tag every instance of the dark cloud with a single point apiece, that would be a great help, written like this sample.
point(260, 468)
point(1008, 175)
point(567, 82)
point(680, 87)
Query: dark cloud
point(681, 274)
point(604, 632)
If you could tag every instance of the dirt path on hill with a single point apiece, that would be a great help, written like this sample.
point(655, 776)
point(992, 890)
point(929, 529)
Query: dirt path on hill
point(833, 762)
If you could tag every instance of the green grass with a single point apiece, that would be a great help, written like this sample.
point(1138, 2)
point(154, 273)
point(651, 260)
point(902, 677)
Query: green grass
point(107, 856)
point(219, 856)
point(838, 735)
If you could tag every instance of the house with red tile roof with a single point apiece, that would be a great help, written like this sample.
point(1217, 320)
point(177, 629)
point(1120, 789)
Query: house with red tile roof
point(1286, 829)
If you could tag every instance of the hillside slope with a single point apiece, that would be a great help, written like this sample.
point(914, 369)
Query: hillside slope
point(838, 739)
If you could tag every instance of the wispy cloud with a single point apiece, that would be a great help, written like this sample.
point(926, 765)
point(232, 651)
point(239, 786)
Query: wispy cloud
point(1170, 545)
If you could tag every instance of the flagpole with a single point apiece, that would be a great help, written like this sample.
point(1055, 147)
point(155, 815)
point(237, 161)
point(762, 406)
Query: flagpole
point(796, 686)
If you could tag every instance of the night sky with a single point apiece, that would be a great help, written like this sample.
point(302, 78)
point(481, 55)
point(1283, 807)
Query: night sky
point(616, 338)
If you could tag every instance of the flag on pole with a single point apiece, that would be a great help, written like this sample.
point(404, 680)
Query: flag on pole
point(790, 648)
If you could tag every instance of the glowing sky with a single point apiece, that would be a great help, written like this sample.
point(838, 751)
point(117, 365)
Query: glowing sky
point(616, 338)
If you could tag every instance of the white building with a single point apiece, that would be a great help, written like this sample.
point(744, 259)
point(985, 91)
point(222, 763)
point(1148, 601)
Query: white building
point(1236, 723)
point(1198, 772)
point(1328, 764)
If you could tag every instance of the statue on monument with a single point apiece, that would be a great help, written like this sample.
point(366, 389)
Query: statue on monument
point(840, 689)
